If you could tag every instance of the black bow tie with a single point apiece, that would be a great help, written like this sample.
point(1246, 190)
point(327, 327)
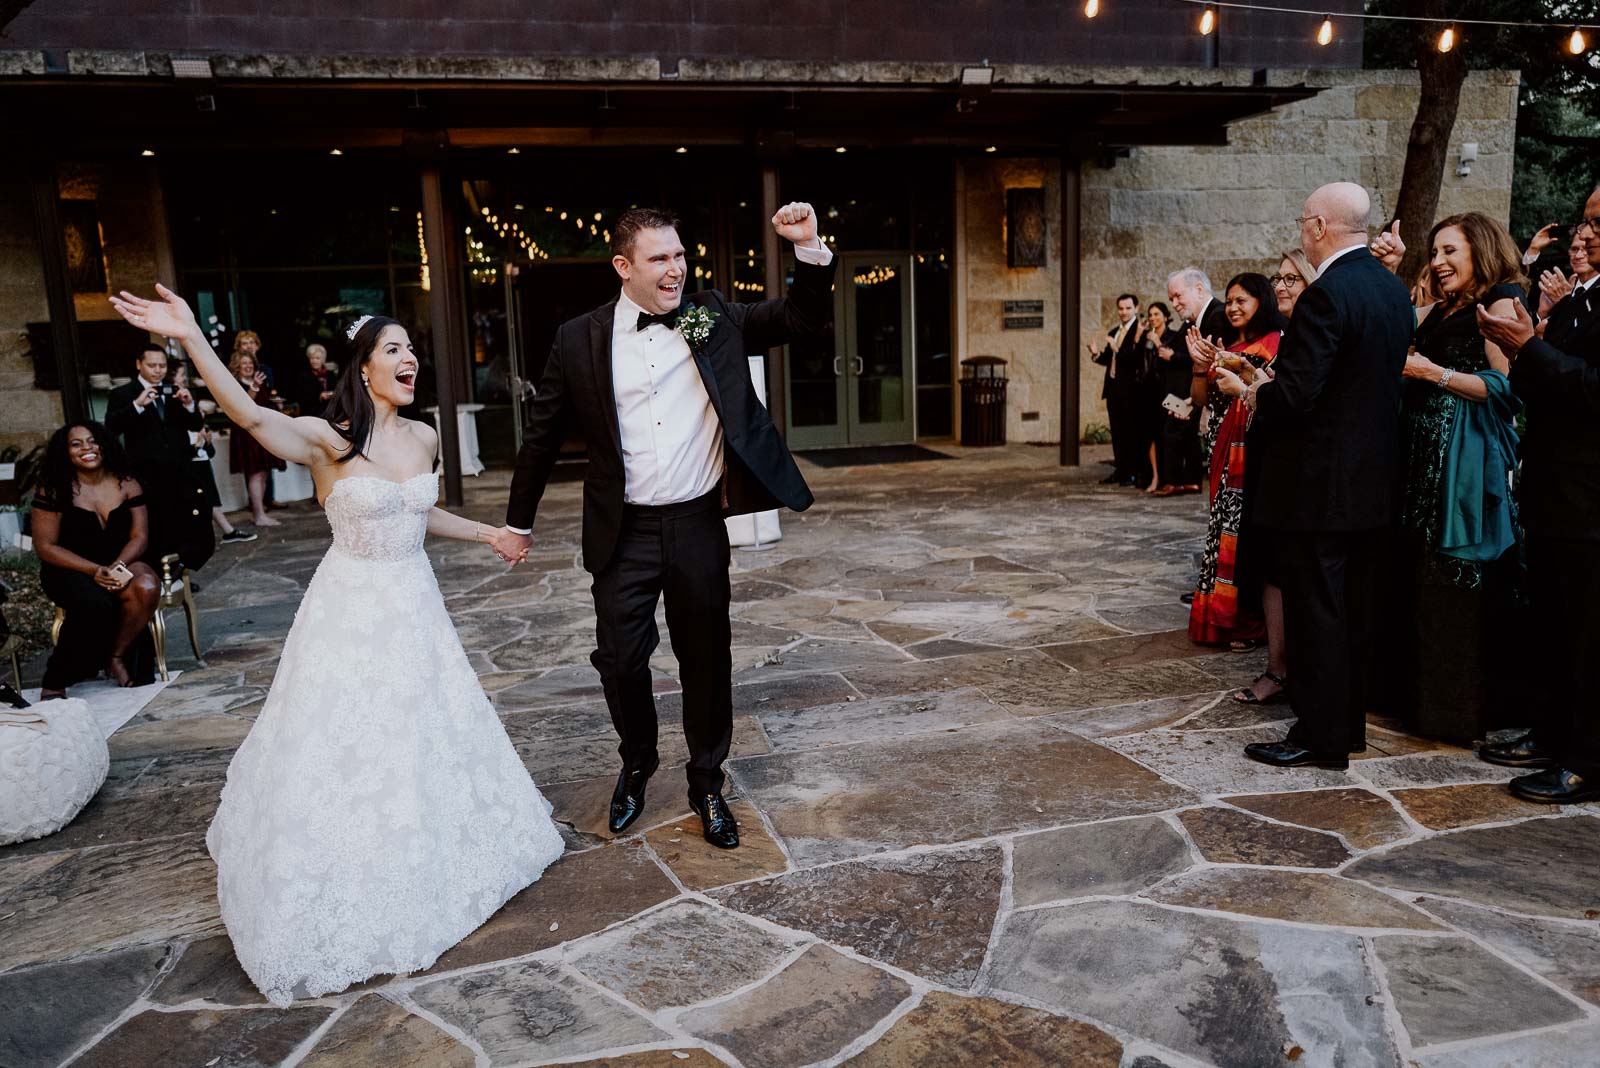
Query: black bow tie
point(666, 319)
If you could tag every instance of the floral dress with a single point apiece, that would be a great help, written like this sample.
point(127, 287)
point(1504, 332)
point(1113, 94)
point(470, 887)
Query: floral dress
point(1219, 613)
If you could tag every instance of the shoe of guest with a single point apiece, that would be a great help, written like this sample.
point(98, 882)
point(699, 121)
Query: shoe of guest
point(1164, 490)
point(1129, 482)
point(194, 587)
point(716, 822)
point(1289, 755)
point(236, 536)
point(1187, 597)
point(1188, 489)
point(1558, 786)
point(1524, 752)
point(627, 800)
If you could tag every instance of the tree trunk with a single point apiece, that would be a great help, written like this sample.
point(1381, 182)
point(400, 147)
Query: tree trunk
point(1428, 150)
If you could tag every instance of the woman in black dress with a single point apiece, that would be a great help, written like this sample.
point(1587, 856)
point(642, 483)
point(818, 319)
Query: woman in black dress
point(89, 530)
point(1453, 614)
point(245, 454)
point(1164, 361)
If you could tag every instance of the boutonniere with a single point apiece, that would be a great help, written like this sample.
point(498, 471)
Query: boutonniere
point(696, 325)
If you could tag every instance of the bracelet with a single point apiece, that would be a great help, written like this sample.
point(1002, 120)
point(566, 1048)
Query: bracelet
point(477, 534)
point(1444, 379)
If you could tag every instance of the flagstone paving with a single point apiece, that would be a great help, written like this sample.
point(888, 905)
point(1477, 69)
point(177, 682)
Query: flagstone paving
point(994, 813)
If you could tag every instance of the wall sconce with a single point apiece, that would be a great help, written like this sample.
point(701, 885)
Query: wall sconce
point(1469, 156)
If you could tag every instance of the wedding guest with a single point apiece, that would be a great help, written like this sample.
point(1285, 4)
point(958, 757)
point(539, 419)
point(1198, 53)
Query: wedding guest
point(245, 455)
point(316, 381)
point(153, 418)
point(1559, 378)
point(202, 450)
point(1329, 442)
point(89, 531)
point(1189, 290)
point(1272, 685)
point(1227, 599)
point(1458, 560)
point(1120, 391)
point(1160, 375)
point(1553, 286)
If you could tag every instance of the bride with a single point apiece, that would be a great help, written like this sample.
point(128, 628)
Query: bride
point(377, 813)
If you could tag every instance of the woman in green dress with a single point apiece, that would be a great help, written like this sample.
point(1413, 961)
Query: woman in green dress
point(1455, 594)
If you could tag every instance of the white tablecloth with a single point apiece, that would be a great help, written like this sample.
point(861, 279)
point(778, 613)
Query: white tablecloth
point(466, 435)
point(292, 485)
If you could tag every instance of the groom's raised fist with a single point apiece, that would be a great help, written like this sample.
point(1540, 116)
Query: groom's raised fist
point(798, 223)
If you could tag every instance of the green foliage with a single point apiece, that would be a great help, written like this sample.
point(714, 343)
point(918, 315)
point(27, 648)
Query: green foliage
point(1097, 434)
point(1558, 107)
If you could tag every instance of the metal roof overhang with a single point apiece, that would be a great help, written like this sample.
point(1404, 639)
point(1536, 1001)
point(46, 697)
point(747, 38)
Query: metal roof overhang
point(78, 115)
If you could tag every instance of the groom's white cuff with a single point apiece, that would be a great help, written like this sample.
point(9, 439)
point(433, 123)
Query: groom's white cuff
point(518, 530)
point(820, 256)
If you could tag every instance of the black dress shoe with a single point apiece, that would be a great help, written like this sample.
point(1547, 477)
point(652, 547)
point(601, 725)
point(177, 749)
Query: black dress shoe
point(1111, 480)
point(1187, 598)
point(627, 800)
point(1557, 786)
point(1525, 752)
point(1289, 755)
point(715, 819)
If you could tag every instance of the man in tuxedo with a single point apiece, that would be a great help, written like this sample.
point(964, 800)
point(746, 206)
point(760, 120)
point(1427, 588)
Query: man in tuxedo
point(154, 418)
point(1130, 455)
point(1329, 430)
point(1559, 378)
point(660, 387)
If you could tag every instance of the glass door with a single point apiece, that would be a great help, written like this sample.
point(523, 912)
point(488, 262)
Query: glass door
point(855, 386)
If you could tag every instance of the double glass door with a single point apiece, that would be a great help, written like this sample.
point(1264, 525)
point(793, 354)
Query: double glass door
point(855, 387)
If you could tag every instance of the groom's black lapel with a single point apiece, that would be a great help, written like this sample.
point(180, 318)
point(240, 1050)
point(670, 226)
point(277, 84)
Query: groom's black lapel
point(600, 323)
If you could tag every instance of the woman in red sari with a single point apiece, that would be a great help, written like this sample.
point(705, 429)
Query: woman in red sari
point(1227, 598)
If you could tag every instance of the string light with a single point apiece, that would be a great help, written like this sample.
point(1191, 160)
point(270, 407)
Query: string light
point(1447, 39)
point(1576, 43)
point(1091, 9)
point(1208, 21)
point(1325, 31)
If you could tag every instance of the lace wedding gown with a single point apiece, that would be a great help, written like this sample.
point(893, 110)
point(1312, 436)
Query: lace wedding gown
point(377, 813)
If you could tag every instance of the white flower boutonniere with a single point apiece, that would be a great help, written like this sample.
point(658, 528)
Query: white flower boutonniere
point(696, 324)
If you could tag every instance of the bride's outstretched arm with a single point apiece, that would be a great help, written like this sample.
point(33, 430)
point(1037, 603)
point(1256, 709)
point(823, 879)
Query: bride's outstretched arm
point(303, 441)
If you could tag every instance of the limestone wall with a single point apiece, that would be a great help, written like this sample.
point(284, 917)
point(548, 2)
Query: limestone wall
point(26, 414)
point(1226, 209)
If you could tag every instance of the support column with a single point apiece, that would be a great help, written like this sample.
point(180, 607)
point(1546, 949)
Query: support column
point(446, 339)
point(772, 250)
point(58, 288)
point(1071, 277)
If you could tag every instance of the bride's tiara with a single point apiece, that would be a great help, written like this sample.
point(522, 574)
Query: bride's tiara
point(355, 327)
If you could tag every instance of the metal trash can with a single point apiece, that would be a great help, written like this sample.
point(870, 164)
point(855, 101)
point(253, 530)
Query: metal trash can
point(983, 401)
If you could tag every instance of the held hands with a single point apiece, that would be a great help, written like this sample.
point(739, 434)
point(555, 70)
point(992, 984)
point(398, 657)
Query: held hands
point(170, 316)
point(796, 222)
point(1508, 332)
point(1388, 247)
point(510, 546)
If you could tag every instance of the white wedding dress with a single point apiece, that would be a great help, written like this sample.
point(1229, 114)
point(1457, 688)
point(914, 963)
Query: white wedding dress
point(377, 813)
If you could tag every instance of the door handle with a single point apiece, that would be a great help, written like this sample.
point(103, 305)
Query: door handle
point(861, 365)
point(837, 370)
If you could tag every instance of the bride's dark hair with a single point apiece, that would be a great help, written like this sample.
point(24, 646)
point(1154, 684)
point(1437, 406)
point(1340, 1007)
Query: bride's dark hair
point(349, 410)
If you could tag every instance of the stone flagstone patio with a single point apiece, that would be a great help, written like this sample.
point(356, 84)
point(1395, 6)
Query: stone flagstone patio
point(994, 813)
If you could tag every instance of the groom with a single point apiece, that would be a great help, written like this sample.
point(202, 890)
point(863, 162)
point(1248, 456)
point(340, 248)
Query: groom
point(661, 391)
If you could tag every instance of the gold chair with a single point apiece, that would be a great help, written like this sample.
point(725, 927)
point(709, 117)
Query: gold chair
point(10, 648)
point(174, 592)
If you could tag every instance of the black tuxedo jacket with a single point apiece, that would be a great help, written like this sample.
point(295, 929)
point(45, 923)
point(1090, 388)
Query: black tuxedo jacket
point(1559, 378)
point(577, 384)
point(148, 437)
point(1328, 425)
point(1123, 365)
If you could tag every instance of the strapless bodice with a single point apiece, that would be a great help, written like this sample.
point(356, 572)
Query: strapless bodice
point(378, 519)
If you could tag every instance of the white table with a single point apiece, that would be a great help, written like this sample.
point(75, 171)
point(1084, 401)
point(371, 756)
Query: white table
point(293, 484)
point(760, 529)
point(466, 435)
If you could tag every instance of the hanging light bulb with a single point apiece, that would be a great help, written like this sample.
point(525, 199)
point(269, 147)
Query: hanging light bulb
point(1325, 31)
point(1576, 43)
point(1091, 9)
point(1447, 39)
point(1208, 21)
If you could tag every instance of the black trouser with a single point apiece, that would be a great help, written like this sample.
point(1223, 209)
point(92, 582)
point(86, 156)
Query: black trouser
point(1330, 597)
point(680, 550)
point(1130, 446)
point(1180, 456)
point(1564, 582)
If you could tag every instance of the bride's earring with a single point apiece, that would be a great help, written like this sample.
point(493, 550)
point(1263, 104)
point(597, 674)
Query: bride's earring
point(364, 380)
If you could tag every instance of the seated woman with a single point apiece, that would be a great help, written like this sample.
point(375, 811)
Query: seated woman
point(1457, 578)
point(1227, 599)
point(89, 530)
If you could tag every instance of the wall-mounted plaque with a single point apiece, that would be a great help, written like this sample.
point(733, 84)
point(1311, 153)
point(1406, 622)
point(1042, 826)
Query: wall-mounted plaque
point(1025, 229)
point(1022, 322)
point(1024, 307)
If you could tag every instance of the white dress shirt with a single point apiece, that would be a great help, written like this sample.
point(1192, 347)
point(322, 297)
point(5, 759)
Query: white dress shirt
point(671, 436)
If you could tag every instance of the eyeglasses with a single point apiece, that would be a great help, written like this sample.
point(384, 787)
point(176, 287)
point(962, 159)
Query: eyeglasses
point(1303, 219)
point(1593, 224)
point(1287, 281)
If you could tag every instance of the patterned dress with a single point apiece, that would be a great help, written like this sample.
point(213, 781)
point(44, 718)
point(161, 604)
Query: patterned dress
point(1452, 617)
point(1225, 608)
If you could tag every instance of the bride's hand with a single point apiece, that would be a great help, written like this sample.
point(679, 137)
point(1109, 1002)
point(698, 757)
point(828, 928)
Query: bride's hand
point(169, 317)
point(510, 546)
